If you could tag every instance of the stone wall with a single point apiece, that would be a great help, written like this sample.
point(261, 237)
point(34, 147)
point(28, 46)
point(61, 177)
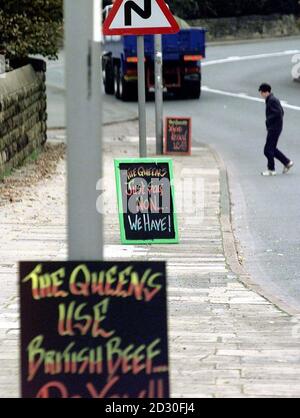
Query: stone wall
point(23, 117)
point(249, 27)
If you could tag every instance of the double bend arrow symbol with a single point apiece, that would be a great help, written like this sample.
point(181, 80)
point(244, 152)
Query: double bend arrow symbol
point(132, 6)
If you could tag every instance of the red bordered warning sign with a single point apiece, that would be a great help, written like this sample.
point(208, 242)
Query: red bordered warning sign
point(140, 17)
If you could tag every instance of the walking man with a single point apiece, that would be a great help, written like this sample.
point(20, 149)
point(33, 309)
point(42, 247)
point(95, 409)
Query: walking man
point(274, 122)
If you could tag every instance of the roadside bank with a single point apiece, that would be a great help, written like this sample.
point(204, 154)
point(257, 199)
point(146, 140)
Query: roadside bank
point(249, 27)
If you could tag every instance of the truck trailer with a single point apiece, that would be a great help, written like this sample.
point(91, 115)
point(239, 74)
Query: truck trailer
point(182, 56)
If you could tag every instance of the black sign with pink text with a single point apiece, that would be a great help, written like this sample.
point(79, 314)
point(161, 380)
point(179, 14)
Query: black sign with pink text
point(94, 330)
point(178, 136)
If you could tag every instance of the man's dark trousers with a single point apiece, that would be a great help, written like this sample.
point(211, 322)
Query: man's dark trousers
point(271, 150)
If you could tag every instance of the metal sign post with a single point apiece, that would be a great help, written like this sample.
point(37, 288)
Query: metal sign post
point(142, 96)
point(150, 17)
point(158, 94)
point(84, 126)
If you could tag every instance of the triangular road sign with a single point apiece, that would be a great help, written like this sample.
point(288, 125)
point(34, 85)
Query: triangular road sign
point(140, 17)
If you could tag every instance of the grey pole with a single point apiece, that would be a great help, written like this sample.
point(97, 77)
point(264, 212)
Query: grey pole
point(159, 93)
point(84, 127)
point(142, 96)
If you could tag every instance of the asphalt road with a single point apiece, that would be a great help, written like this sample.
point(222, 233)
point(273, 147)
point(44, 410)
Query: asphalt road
point(230, 117)
point(266, 211)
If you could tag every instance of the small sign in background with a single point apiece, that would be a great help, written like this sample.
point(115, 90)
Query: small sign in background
point(178, 136)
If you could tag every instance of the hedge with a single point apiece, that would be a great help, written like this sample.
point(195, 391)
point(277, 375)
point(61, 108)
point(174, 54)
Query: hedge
point(30, 27)
point(193, 9)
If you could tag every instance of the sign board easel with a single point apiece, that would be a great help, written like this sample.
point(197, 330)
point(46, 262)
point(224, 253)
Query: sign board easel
point(178, 136)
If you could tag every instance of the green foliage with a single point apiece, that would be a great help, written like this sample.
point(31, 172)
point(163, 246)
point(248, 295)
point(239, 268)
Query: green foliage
point(30, 27)
point(35, 26)
point(193, 9)
point(106, 3)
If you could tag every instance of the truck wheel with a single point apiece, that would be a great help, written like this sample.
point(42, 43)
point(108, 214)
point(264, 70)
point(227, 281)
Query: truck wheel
point(192, 90)
point(125, 90)
point(116, 81)
point(195, 92)
point(109, 79)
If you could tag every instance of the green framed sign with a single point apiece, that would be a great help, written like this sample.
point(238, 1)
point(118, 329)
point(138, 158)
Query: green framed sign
point(146, 201)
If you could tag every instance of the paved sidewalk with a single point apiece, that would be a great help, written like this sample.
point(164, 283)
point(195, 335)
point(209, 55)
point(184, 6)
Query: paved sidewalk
point(225, 340)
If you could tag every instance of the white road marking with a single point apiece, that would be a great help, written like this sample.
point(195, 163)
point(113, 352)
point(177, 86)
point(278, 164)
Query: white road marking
point(251, 57)
point(246, 97)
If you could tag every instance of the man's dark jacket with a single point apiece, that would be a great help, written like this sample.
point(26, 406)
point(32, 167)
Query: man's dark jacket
point(274, 113)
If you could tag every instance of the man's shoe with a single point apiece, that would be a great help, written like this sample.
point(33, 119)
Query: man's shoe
point(288, 167)
point(268, 173)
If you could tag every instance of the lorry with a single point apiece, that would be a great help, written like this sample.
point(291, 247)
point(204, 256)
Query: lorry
point(182, 56)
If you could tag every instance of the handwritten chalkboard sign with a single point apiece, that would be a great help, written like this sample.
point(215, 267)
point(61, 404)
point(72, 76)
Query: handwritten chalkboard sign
point(178, 133)
point(94, 330)
point(146, 201)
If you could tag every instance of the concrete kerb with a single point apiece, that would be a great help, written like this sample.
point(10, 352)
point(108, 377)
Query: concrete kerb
point(231, 245)
point(108, 123)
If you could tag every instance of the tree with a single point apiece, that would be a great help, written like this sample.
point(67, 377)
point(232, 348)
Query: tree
point(195, 9)
point(30, 27)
